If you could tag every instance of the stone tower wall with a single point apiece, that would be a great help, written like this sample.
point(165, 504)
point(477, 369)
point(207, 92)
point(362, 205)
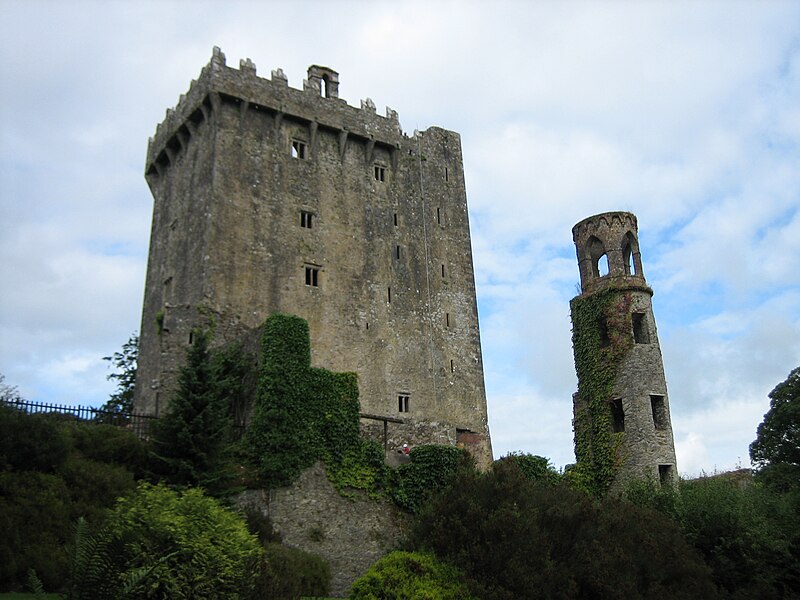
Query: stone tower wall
point(238, 168)
point(640, 388)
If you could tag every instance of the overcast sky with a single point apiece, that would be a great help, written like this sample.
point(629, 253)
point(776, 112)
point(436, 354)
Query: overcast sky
point(685, 113)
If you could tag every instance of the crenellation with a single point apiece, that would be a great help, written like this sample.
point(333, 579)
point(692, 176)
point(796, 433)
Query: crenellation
point(247, 66)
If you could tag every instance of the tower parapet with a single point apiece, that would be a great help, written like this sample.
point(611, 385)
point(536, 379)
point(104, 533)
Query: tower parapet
point(624, 420)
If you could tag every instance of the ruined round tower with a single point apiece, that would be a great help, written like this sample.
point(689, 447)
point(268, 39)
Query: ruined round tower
point(621, 413)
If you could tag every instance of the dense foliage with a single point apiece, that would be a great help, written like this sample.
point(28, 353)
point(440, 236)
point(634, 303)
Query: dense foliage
point(776, 449)
point(54, 472)
point(748, 534)
point(191, 443)
point(303, 414)
point(601, 337)
point(189, 543)
point(410, 576)
point(431, 468)
point(535, 468)
point(514, 538)
point(289, 574)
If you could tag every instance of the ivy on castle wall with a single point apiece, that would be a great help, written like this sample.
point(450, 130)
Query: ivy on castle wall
point(304, 414)
point(601, 337)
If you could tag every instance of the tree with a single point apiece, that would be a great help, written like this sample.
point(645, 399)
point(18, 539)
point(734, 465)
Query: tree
point(8, 393)
point(121, 401)
point(776, 449)
point(191, 441)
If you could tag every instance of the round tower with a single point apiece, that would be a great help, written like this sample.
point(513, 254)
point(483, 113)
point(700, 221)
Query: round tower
point(622, 420)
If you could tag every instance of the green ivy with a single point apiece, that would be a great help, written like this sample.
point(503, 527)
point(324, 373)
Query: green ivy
point(601, 337)
point(302, 414)
point(431, 467)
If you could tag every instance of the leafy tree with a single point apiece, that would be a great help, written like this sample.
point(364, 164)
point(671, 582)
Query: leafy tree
point(776, 449)
point(121, 401)
point(191, 442)
point(289, 574)
point(410, 576)
point(8, 393)
point(534, 467)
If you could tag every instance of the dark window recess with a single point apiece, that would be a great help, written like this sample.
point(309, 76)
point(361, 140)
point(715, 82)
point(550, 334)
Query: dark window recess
point(438, 215)
point(617, 415)
point(312, 276)
point(306, 219)
point(367, 326)
point(298, 149)
point(665, 474)
point(446, 174)
point(641, 335)
point(447, 319)
point(602, 328)
point(191, 337)
point(452, 367)
point(659, 412)
point(389, 294)
point(403, 401)
point(397, 252)
point(395, 219)
point(380, 173)
point(443, 271)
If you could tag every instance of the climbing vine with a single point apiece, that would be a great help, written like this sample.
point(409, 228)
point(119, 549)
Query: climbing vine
point(601, 337)
point(304, 414)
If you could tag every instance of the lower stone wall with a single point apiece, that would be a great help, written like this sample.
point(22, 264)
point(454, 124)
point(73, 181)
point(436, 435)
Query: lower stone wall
point(312, 516)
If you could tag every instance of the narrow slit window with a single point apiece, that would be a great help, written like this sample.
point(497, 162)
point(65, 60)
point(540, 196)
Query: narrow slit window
point(617, 415)
point(380, 173)
point(298, 149)
point(641, 335)
point(389, 294)
point(438, 215)
point(403, 402)
point(397, 252)
point(443, 273)
point(395, 219)
point(665, 474)
point(659, 412)
point(446, 174)
point(447, 319)
point(306, 219)
point(452, 367)
point(312, 276)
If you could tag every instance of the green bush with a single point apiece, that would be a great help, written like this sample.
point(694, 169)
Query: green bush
point(431, 468)
point(31, 442)
point(204, 549)
point(535, 468)
point(410, 576)
point(289, 573)
point(515, 539)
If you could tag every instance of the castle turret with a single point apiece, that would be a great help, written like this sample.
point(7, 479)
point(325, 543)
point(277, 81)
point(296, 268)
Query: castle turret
point(621, 411)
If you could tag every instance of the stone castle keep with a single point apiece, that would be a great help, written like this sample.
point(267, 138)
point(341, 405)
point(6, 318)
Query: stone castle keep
point(270, 199)
point(273, 199)
point(609, 261)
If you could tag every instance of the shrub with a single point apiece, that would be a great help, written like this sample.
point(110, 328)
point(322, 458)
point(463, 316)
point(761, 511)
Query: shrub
point(205, 549)
point(410, 576)
point(430, 469)
point(289, 573)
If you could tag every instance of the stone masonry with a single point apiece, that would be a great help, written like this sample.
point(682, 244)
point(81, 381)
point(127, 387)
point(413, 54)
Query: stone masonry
point(273, 199)
point(608, 258)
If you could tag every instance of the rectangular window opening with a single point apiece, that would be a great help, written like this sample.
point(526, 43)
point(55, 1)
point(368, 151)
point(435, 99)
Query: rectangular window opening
point(641, 335)
point(659, 412)
point(389, 294)
point(452, 367)
point(438, 215)
point(397, 252)
point(312, 276)
point(443, 275)
point(617, 415)
point(447, 319)
point(298, 149)
point(395, 219)
point(306, 219)
point(665, 474)
point(446, 174)
point(403, 401)
point(380, 173)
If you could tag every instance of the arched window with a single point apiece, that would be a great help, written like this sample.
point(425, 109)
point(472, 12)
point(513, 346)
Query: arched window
point(629, 248)
point(323, 86)
point(598, 256)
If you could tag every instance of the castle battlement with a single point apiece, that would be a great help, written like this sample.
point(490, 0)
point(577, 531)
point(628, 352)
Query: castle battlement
point(317, 105)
